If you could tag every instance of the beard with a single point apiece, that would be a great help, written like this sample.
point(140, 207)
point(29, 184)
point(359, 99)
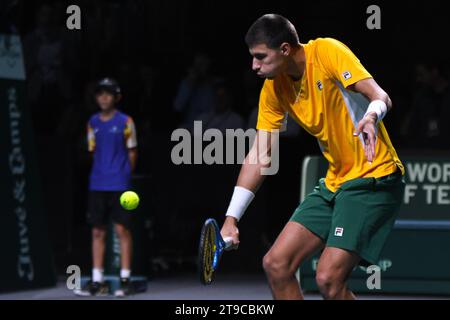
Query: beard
point(266, 76)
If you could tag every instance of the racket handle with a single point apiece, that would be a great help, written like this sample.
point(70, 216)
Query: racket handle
point(228, 243)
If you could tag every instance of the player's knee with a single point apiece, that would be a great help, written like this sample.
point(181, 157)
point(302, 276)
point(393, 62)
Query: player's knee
point(98, 233)
point(122, 231)
point(268, 263)
point(275, 267)
point(328, 284)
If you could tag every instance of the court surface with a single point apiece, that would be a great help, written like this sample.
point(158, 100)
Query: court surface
point(187, 287)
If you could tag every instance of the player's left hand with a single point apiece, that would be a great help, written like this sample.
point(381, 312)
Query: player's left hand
point(368, 127)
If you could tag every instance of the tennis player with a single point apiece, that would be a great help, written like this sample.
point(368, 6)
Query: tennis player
point(112, 141)
point(324, 87)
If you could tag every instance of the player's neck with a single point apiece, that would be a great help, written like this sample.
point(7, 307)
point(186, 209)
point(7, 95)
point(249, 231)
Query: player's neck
point(106, 115)
point(296, 65)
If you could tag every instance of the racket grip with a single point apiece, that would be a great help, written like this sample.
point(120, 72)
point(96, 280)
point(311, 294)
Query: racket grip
point(228, 243)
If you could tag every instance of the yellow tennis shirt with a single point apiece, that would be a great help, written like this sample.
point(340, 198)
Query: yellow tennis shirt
point(323, 106)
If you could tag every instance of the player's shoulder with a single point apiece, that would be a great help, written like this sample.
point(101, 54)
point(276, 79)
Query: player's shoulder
point(272, 86)
point(94, 118)
point(322, 45)
point(322, 52)
point(268, 84)
point(124, 118)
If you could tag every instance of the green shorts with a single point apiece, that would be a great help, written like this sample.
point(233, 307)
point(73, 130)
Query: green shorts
point(358, 217)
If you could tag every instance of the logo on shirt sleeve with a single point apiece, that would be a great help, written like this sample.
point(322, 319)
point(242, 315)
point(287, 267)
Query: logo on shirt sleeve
point(347, 75)
point(338, 232)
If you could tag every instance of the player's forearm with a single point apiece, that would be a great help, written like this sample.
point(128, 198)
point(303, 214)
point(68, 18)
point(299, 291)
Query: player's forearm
point(383, 96)
point(251, 176)
point(379, 106)
point(380, 103)
point(389, 102)
point(258, 161)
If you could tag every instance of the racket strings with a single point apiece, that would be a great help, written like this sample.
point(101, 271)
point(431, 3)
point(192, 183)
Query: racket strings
point(209, 250)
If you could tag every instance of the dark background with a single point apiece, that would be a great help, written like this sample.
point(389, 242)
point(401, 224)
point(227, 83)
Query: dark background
point(149, 46)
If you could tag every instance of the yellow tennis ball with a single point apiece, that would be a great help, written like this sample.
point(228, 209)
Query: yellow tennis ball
point(129, 200)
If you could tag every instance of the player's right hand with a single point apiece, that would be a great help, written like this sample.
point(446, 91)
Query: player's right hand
point(230, 229)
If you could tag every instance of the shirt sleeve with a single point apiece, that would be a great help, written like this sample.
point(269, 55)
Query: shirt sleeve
point(271, 115)
point(130, 134)
point(340, 63)
point(90, 138)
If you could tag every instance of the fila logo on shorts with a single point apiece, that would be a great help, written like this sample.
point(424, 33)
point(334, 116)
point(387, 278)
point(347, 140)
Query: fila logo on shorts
point(338, 232)
point(319, 85)
point(347, 75)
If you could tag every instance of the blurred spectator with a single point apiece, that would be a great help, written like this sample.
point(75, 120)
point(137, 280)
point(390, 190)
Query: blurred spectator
point(195, 94)
point(431, 102)
point(47, 57)
point(222, 116)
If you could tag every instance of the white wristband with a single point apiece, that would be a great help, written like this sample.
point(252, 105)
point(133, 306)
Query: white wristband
point(239, 202)
point(379, 107)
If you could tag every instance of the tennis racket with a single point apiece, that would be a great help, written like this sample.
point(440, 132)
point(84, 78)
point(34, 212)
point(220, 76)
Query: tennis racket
point(210, 250)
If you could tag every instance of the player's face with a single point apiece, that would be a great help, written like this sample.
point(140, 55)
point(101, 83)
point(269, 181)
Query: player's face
point(105, 100)
point(267, 62)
